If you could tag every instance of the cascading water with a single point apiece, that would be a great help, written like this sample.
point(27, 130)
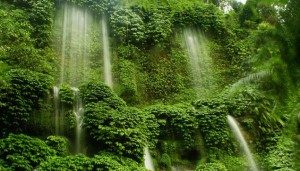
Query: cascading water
point(106, 54)
point(63, 44)
point(200, 61)
point(56, 108)
point(74, 33)
point(78, 112)
point(239, 136)
point(148, 160)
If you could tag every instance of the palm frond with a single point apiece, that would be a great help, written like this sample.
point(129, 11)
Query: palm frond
point(251, 78)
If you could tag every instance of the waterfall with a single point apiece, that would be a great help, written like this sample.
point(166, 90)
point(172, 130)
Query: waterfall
point(78, 112)
point(106, 54)
point(74, 35)
point(56, 108)
point(78, 36)
point(63, 44)
point(148, 160)
point(199, 60)
point(75, 30)
point(239, 136)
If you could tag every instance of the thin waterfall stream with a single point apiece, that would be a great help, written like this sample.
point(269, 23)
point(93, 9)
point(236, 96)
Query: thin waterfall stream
point(78, 112)
point(148, 160)
point(239, 136)
point(106, 54)
point(200, 61)
point(56, 108)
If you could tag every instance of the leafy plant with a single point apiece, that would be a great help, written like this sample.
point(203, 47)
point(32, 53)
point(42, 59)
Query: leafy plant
point(211, 119)
point(66, 95)
point(127, 81)
point(21, 97)
point(122, 131)
point(101, 162)
point(174, 123)
point(78, 162)
point(165, 161)
point(94, 92)
point(127, 26)
point(282, 156)
point(23, 152)
point(159, 27)
point(214, 166)
point(205, 16)
point(40, 16)
point(59, 144)
point(97, 6)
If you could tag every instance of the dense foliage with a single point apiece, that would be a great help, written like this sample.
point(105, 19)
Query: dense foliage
point(21, 152)
point(60, 144)
point(21, 94)
point(174, 123)
point(119, 131)
point(252, 75)
point(116, 128)
point(102, 162)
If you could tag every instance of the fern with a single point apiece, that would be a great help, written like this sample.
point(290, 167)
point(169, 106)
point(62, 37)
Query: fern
point(251, 78)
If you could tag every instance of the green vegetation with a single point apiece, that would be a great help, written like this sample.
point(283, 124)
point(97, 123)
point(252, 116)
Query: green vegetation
point(253, 75)
point(21, 152)
point(101, 162)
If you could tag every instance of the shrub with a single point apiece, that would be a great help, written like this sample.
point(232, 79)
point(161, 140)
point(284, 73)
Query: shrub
point(234, 163)
point(127, 81)
point(207, 17)
point(252, 109)
point(165, 161)
point(214, 166)
point(159, 27)
point(212, 124)
point(107, 161)
point(282, 156)
point(78, 162)
point(66, 95)
point(59, 144)
point(127, 26)
point(129, 52)
point(22, 152)
point(94, 92)
point(21, 96)
point(3, 166)
point(174, 123)
point(101, 162)
point(122, 131)
point(97, 6)
point(40, 15)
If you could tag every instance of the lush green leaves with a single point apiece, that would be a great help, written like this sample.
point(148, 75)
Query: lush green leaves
point(102, 162)
point(282, 156)
point(60, 144)
point(22, 152)
point(215, 166)
point(174, 123)
point(98, 6)
point(127, 26)
point(128, 81)
point(122, 131)
point(66, 95)
point(40, 16)
point(206, 17)
point(21, 96)
point(211, 117)
point(93, 92)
